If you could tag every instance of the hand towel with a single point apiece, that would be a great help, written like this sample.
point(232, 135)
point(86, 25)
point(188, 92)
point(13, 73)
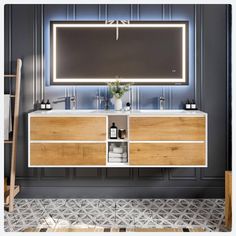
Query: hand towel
point(118, 160)
point(7, 116)
point(119, 155)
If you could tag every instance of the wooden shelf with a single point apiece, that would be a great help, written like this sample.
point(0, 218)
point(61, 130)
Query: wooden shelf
point(7, 193)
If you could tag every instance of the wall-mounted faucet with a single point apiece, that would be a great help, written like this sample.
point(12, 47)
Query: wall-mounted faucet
point(162, 103)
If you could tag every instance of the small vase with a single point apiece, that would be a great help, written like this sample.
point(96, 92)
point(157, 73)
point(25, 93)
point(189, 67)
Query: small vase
point(118, 104)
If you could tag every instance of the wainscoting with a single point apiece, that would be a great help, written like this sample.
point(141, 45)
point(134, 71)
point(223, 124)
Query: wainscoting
point(27, 37)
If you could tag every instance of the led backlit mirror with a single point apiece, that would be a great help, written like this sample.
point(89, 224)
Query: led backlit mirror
point(144, 53)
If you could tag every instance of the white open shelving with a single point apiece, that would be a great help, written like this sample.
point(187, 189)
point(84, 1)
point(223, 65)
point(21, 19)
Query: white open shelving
point(121, 122)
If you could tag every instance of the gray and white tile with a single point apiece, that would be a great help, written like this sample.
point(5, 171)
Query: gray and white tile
point(120, 213)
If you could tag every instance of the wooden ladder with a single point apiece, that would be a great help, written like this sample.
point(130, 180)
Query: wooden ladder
point(12, 189)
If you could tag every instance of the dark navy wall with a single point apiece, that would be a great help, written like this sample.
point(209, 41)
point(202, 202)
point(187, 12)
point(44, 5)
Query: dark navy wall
point(27, 36)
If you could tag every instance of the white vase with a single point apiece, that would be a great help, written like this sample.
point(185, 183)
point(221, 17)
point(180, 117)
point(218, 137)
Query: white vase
point(118, 104)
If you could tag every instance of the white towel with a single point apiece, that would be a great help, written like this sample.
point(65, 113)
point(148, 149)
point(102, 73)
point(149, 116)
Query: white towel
point(118, 155)
point(7, 116)
point(118, 160)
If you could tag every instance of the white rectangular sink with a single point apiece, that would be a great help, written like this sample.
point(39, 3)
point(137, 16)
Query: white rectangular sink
point(64, 112)
point(141, 112)
point(167, 112)
point(162, 111)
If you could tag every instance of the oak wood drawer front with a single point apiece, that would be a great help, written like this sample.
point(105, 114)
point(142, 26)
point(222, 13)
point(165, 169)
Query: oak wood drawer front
point(167, 154)
point(67, 154)
point(68, 128)
point(167, 128)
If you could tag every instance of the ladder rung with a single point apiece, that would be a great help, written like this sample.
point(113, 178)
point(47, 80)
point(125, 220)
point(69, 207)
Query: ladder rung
point(10, 76)
point(8, 141)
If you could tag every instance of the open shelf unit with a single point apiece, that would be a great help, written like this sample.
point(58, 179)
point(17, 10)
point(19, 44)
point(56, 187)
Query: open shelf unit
point(113, 157)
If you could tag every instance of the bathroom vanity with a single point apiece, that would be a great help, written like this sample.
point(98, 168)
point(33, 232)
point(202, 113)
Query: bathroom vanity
point(155, 138)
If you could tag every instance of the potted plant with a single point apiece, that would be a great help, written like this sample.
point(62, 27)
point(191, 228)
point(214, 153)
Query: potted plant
point(118, 90)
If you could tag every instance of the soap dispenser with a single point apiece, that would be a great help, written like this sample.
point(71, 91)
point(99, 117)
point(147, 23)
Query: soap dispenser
point(187, 105)
point(42, 105)
point(48, 105)
point(113, 131)
point(193, 105)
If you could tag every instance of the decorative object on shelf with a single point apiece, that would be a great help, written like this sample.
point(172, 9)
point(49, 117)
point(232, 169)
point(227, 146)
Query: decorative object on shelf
point(122, 133)
point(113, 131)
point(117, 90)
point(128, 106)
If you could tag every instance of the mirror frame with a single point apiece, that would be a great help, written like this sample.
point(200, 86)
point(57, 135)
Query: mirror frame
point(184, 80)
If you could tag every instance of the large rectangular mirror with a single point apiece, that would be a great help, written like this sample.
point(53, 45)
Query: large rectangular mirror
point(99, 52)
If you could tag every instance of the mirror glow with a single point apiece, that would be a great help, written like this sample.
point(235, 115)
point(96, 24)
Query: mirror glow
point(55, 79)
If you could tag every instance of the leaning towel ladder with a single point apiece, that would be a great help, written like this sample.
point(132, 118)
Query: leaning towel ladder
point(12, 189)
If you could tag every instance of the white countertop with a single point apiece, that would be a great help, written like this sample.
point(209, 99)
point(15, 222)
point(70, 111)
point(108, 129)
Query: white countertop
point(112, 112)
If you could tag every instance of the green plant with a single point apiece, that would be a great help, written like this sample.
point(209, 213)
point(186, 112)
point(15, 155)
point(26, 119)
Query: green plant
point(118, 90)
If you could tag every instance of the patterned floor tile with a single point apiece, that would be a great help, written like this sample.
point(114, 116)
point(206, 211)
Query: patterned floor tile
point(116, 213)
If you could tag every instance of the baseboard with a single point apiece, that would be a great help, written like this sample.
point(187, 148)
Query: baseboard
point(121, 192)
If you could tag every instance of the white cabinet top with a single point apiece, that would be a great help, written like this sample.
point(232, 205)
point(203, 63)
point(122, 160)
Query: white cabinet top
point(112, 112)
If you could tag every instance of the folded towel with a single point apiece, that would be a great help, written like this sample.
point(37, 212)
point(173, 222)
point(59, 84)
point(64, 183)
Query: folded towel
point(118, 160)
point(119, 155)
point(7, 116)
point(118, 150)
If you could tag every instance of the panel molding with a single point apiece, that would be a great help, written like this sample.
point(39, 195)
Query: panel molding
point(159, 177)
point(183, 177)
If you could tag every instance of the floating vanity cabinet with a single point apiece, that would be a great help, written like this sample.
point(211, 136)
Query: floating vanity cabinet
point(67, 140)
point(168, 140)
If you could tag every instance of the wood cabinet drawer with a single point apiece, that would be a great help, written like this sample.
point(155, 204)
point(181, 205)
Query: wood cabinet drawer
point(68, 128)
point(167, 128)
point(67, 154)
point(167, 154)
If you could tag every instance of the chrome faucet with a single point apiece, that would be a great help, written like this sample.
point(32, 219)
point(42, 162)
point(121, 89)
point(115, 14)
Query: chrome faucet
point(73, 100)
point(101, 99)
point(162, 103)
point(70, 102)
